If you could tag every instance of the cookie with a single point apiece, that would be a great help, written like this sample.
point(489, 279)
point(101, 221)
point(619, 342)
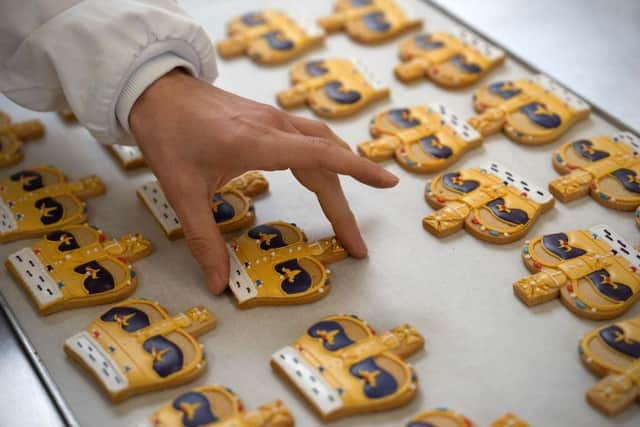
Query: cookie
point(342, 367)
point(40, 199)
point(136, 347)
point(129, 157)
point(67, 115)
point(443, 417)
point(12, 137)
point(607, 167)
point(77, 267)
point(274, 264)
point(613, 352)
point(230, 206)
point(332, 88)
point(214, 405)
point(594, 272)
point(453, 60)
point(531, 111)
point(371, 21)
point(493, 203)
point(269, 37)
point(422, 139)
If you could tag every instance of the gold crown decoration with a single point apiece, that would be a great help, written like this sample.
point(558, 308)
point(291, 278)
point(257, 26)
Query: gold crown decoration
point(231, 206)
point(606, 167)
point(531, 111)
point(492, 203)
point(454, 59)
point(422, 139)
point(270, 37)
point(444, 417)
point(371, 21)
point(342, 367)
point(137, 346)
point(76, 267)
point(218, 406)
point(37, 200)
point(332, 88)
point(613, 352)
point(12, 137)
point(594, 272)
point(274, 264)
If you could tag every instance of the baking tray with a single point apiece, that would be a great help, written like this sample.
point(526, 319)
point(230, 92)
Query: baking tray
point(486, 353)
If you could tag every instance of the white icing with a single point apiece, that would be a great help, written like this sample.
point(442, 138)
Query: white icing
point(533, 191)
point(95, 357)
point(453, 121)
point(377, 84)
point(618, 245)
point(566, 96)
point(239, 281)
point(126, 153)
point(479, 44)
point(34, 274)
point(7, 219)
point(629, 139)
point(308, 380)
point(160, 208)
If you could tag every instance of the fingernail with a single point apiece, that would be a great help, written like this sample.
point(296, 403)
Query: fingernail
point(217, 283)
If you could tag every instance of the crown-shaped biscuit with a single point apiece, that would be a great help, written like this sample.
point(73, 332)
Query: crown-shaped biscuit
point(531, 111)
point(492, 203)
point(214, 405)
point(274, 264)
point(422, 139)
point(371, 21)
point(270, 37)
point(12, 136)
point(613, 352)
point(136, 347)
point(342, 367)
point(332, 88)
point(231, 206)
point(454, 60)
point(76, 267)
point(40, 199)
point(607, 167)
point(444, 417)
point(593, 272)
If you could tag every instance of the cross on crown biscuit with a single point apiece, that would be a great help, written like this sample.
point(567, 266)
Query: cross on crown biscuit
point(422, 139)
point(136, 347)
point(12, 136)
point(444, 417)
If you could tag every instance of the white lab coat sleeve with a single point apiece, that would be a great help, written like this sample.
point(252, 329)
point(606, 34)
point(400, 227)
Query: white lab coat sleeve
point(98, 56)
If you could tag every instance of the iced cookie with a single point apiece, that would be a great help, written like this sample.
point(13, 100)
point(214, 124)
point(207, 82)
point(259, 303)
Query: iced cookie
point(422, 139)
point(231, 206)
point(607, 167)
point(613, 352)
point(130, 157)
point(443, 417)
point(371, 21)
point(136, 347)
point(212, 406)
point(332, 87)
point(13, 135)
point(493, 203)
point(453, 60)
point(593, 272)
point(274, 264)
point(67, 115)
point(40, 199)
point(269, 37)
point(531, 111)
point(76, 267)
point(342, 367)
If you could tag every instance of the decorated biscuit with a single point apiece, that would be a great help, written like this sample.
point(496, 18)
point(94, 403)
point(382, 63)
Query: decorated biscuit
point(40, 199)
point(594, 272)
point(213, 405)
point(76, 267)
point(230, 206)
point(269, 37)
point(454, 60)
point(332, 87)
point(613, 352)
point(67, 115)
point(136, 347)
point(531, 111)
point(371, 21)
point(274, 264)
point(342, 367)
point(443, 417)
point(607, 167)
point(422, 139)
point(13, 135)
point(493, 203)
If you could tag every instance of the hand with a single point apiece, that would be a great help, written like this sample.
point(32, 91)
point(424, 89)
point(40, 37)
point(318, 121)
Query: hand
point(196, 137)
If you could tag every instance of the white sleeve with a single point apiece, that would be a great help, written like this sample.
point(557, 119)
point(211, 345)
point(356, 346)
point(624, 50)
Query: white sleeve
point(96, 56)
